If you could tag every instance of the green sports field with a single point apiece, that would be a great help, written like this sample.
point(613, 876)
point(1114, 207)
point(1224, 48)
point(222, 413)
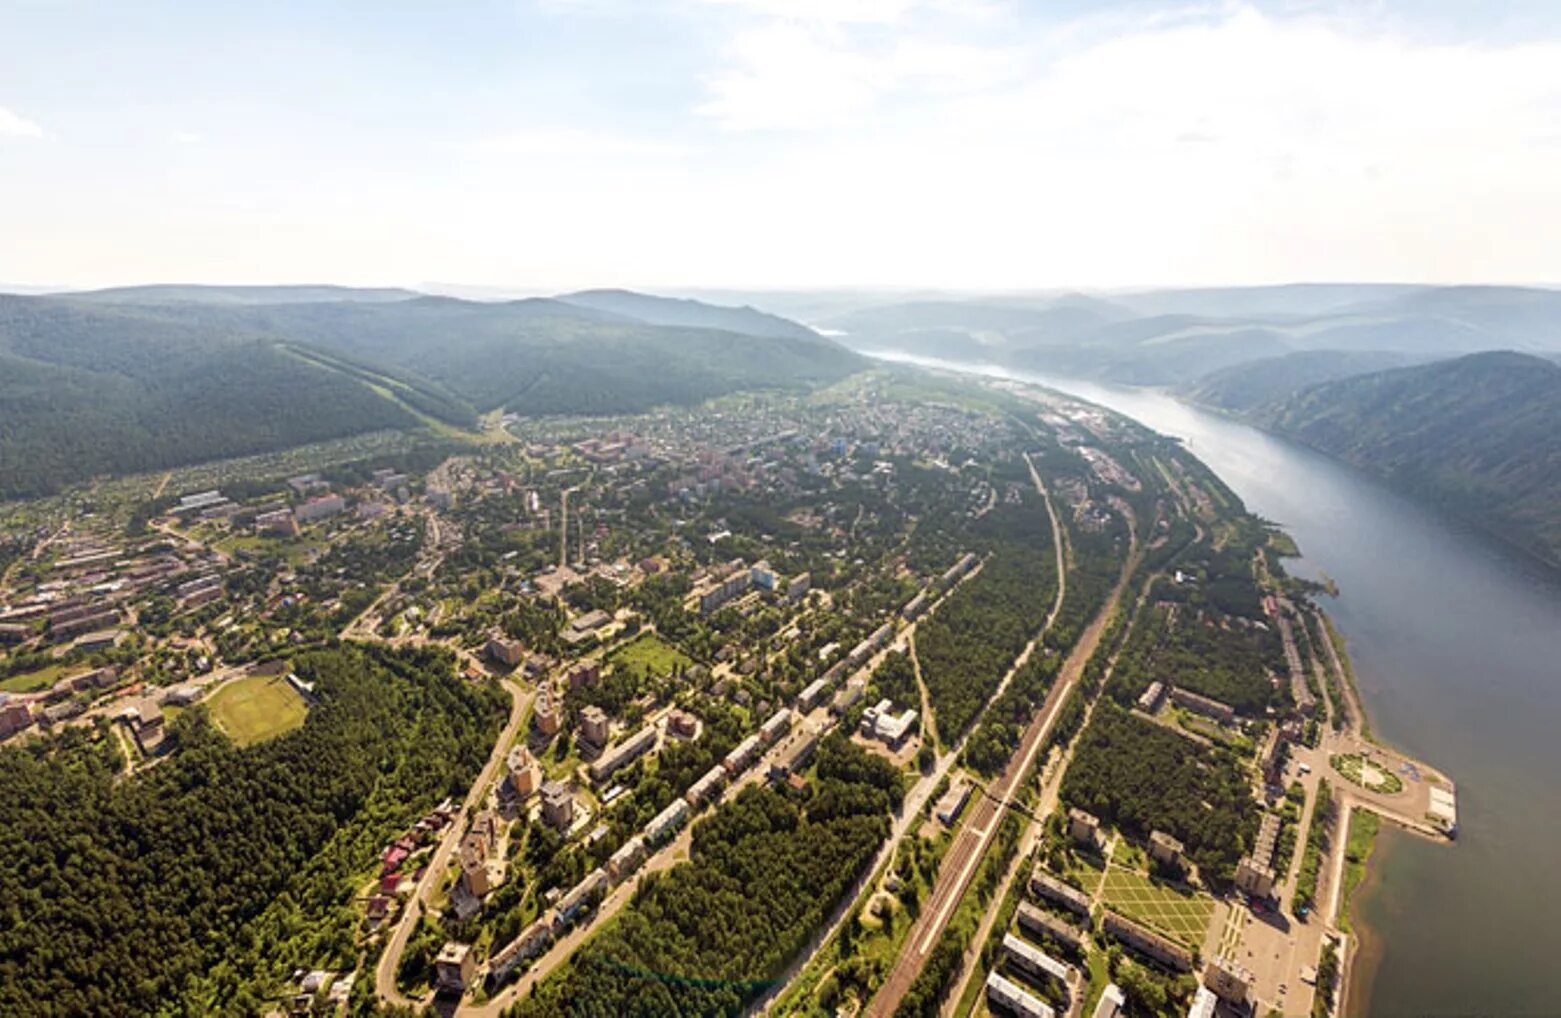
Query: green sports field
point(1179, 914)
point(256, 708)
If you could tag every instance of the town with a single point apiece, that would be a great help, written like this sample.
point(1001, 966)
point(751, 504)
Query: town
point(1069, 738)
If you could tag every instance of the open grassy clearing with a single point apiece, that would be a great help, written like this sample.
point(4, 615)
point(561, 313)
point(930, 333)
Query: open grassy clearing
point(1181, 914)
point(649, 655)
point(28, 682)
point(256, 708)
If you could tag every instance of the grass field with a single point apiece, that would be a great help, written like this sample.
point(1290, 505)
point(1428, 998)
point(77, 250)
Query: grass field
point(28, 682)
point(256, 708)
point(649, 655)
point(1182, 915)
point(1357, 770)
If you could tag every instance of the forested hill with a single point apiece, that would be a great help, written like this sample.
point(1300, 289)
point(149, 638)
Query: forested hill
point(1479, 436)
point(1254, 384)
point(672, 311)
point(156, 377)
point(87, 391)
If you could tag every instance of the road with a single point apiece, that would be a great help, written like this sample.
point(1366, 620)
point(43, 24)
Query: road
point(390, 958)
point(975, 837)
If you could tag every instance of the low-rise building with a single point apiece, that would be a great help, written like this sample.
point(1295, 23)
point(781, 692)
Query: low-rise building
point(627, 859)
point(625, 753)
point(530, 943)
point(15, 717)
point(1044, 885)
point(1033, 962)
point(953, 803)
point(742, 755)
point(1011, 998)
point(778, 724)
point(812, 694)
point(1149, 701)
point(1204, 1004)
point(585, 894)
point(794, 756)
point(1041, 923)
point(1198, 704)
point(1112, 1003)
point(707, 787)
point(666, 823)
point(1147, 942)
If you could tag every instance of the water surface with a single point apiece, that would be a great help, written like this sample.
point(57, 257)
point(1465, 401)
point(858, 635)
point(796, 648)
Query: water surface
point(1457, 649)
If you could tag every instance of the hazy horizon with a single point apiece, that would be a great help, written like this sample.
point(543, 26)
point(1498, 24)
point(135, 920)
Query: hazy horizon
point(961, 145)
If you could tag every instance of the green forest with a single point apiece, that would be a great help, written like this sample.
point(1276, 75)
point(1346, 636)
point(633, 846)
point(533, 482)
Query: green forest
point(764, 871)
point(967, 645)
point(1143, 777)
point(194, 887)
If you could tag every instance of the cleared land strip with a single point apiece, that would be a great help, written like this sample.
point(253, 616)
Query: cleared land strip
point(960, 864)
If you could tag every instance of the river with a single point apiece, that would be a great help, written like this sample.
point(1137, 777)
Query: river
point(1457, 649)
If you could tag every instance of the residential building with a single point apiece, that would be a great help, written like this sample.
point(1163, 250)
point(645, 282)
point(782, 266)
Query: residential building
point(14, 717)
point(625, 753)
point(811, 694)
point(742, 755)
point(586, 893)
point(707, 787)
point(627, 859)
point(1230, 980)
point(594, 725)
point(1083, 828)
point(319, 508)
point(1033, 962)
point(798, 586)
point(525, 774)
point(277, 523)
point(1254, 878)
point(1164, 849)
point(1149, 702)
point(1040, 923)
point(1112, 1003)
point(1221, 712)
point(455, 968)
point(667, 822)
point(547, 715)
point(794, 756)
point(505, 652)
point(1044, 885)
point(1204, 1004)
point(558, 805)
point(1147, 942)
point(530, 943)
point(682, 724)
point(777, 725)
point(1009, 997)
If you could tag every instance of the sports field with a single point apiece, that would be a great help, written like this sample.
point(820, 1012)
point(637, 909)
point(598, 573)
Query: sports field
point(257, 707)
point(1184, 916)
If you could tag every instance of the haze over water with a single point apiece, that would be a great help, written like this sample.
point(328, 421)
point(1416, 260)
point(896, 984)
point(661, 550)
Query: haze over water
point(1457, 650)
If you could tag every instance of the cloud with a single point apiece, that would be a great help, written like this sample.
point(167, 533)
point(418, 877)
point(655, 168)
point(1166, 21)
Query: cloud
point(573, 142)
point(14, 126)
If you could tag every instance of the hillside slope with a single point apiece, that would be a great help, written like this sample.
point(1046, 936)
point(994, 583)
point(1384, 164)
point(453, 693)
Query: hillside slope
point(86, 392)
point(1251, 385)
point(684, 312)
point(1478, 436)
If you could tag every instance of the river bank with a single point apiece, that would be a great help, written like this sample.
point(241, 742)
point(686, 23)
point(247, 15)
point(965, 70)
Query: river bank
point(1453, 642)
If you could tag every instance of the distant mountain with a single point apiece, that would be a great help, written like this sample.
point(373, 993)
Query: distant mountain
point(541, 356)
point(1250, 385)
point(90, 387)
point(1174, 337)
point(194, 293)
point(684, 312)
point(1478, 436)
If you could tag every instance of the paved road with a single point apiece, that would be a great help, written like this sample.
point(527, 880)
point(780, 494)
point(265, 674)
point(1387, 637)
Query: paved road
point(390, 958)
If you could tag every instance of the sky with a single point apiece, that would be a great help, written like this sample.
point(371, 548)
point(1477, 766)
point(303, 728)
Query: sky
point(960, 144)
